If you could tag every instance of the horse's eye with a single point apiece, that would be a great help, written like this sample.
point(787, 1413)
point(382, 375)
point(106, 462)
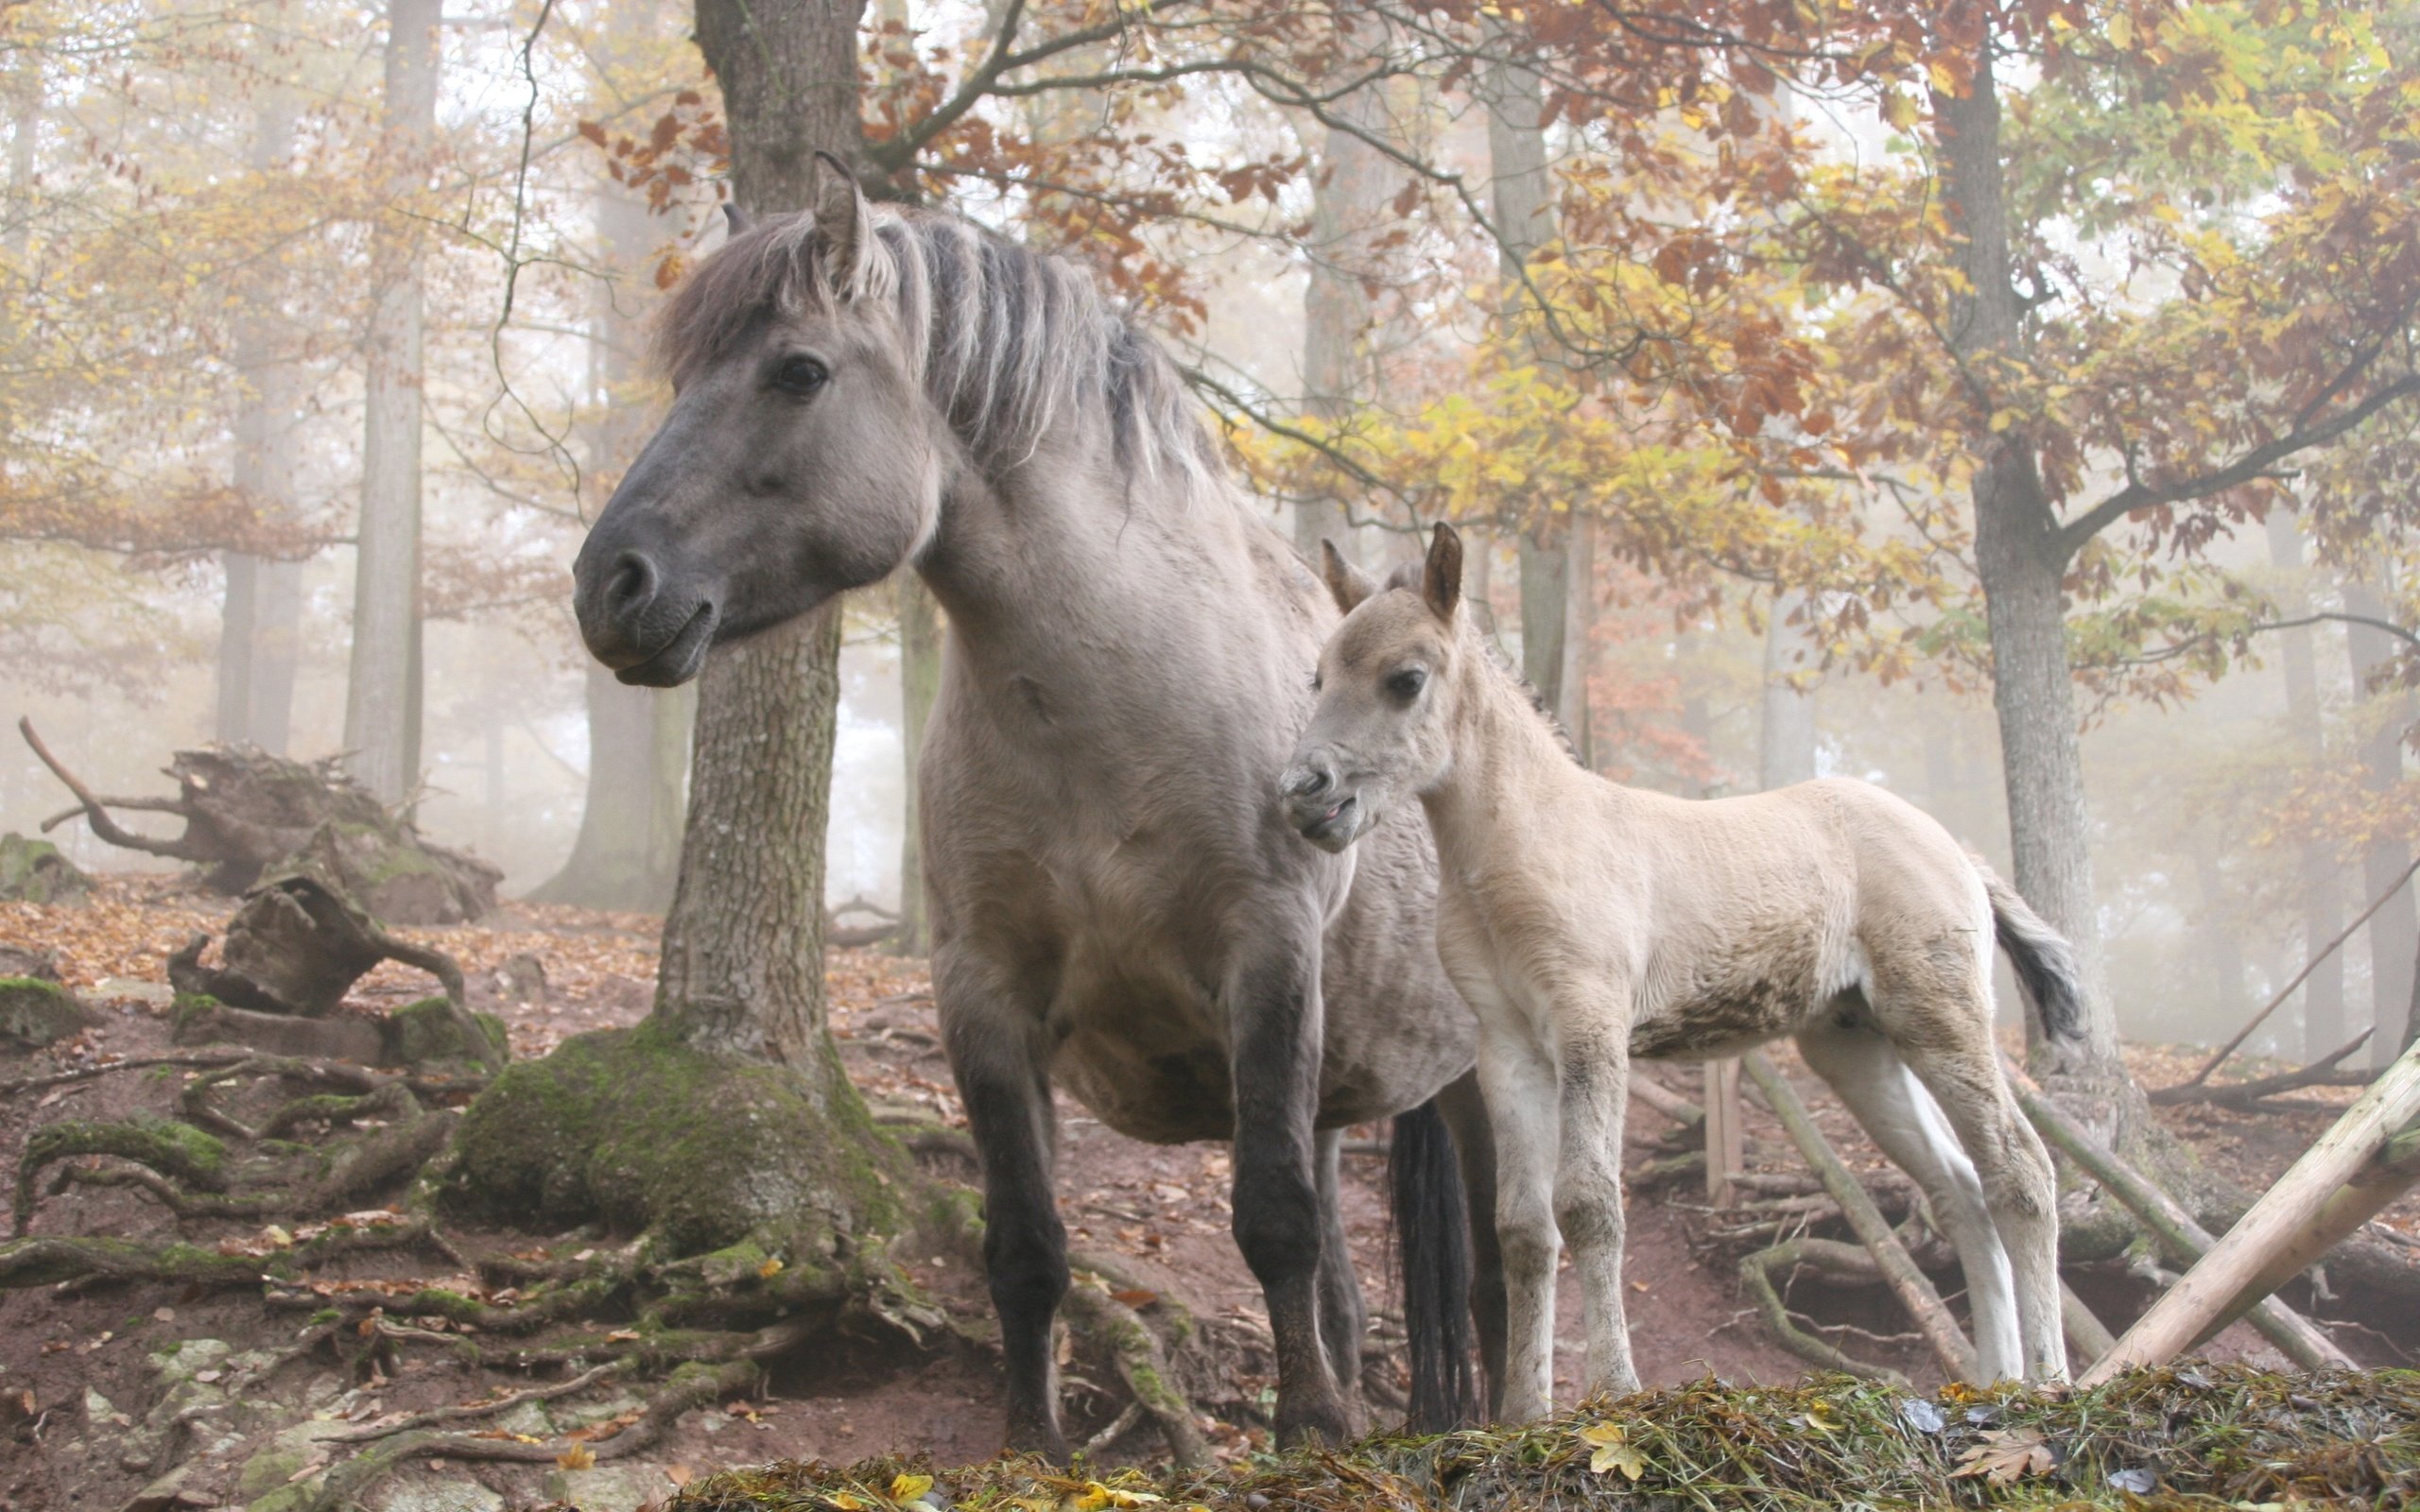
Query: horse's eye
point(1315, 683)
point(800, 376)
point(1407, 683)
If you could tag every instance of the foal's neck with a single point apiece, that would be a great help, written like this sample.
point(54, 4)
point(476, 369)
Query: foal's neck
point(1509, 767)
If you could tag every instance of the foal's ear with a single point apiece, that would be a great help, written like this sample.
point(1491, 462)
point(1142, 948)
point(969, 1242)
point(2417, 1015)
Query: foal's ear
point(1347, 584)
point(1440, 577)
point(841, 217)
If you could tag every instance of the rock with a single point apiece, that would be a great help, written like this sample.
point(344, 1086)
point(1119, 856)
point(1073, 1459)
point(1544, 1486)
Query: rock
point(181, 1360)
point(34, 871)
point(284, 1460)
point(432, 1491)
point(102, 1413)
point(530, 1418)
point(611, 1487)
point(420, 1033)
point(199, 1019)
point(35, 1013)
point(23, 960)
point(128, 988)
point(167, 1493)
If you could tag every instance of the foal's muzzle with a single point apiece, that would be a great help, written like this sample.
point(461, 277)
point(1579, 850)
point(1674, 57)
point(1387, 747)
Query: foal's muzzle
point(1322, 806)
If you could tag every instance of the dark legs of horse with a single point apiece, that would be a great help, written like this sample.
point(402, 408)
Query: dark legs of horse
point(1342, 1320)
point(1273, 1010)
point(1466, 1112)
point(1001, 1078)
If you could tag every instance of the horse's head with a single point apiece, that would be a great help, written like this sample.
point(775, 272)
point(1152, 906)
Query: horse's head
point(1387, 682)
point(800, 459)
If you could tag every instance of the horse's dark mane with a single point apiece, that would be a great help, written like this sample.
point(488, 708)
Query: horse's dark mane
point(1006, 340)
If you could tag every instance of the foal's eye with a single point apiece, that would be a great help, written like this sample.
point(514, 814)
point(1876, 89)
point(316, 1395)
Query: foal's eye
point(1407, 683)
point(1315, 683)
point(800, 376)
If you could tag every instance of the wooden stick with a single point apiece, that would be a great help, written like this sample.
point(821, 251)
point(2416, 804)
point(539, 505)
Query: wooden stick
point(2282, 1217)
point(1665, 1101)
point(1899, 1271)
point(2283, 993)
point(2087, 1334)
point(2181, 1239)
point(2319, 1072)
point(2390, 1173)
point(1726, 1139)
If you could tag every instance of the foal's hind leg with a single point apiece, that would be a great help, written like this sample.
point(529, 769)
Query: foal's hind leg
point(996, 1057)
point(1342, 1319)
point(1867, 1074)
point(1955, 1058)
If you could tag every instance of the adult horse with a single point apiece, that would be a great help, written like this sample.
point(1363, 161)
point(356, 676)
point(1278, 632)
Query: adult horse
point(1115, 903)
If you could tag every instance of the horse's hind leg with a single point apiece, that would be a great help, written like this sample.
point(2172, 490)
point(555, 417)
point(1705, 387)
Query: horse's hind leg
point(1961, 1069)
point(1342, 1319)
point(1867, 1074)
point(1003, 1081)
point(1465, 1110)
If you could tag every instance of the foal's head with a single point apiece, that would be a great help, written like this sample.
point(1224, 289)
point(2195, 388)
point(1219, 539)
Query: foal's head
point(800, 459)
point(1388, 682)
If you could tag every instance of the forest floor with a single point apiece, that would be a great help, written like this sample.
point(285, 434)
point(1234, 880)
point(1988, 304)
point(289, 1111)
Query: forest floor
point(91, 1377)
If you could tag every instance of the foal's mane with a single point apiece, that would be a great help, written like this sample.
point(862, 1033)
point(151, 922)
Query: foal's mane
point(1007, 341)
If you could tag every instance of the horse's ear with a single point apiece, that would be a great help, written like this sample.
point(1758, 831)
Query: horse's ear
point(1347, 584)
point(841, 217)
point(1440, 577)
point(736, 220)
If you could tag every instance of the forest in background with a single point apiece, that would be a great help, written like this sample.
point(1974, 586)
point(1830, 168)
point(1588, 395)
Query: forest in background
point(324, 332)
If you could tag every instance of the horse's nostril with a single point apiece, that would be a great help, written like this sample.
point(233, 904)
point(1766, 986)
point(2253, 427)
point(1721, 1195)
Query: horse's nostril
point(1313, 781)
point(633, 582)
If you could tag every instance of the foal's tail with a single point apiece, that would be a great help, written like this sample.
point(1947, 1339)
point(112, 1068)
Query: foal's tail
point(2047, 969)
point(1433, 1239)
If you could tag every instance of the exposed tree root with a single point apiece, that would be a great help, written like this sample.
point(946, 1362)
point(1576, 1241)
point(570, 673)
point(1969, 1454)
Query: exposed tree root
point(1837, 1261)
point(1112, 1326)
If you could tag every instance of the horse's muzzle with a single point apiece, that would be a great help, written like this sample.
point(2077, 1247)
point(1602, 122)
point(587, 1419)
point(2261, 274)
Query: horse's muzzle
point(637, 619)
point(1327, 812)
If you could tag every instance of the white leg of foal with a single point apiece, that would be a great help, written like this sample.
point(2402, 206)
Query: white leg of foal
point(2019, 1186)
point(1588, 1188)
point(1519, 1084)
point(1901, 1117)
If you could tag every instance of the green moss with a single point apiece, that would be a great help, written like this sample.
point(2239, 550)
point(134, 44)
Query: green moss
point(634, 1128)
point(35, 1013)
point(420, 1033)
point(190, 1011)
point(34, 871)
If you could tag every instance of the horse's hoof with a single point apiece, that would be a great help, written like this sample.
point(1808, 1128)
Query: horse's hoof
point(1315, 1423)
point(1043, 1441)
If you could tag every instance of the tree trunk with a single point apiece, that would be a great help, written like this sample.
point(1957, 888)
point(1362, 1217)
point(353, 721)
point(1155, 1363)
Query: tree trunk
point(1786, 737)
point(920, 682)
point(2394, 929)
point(1520, 196)
point(382, 695)
point(264, 599)
point(2323, 903)
point(1348, 203)
point(1579, 625)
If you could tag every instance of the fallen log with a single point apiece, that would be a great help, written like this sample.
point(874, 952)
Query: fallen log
point(2181, 1239)
point(2280, 1226)
point(2320, 1073)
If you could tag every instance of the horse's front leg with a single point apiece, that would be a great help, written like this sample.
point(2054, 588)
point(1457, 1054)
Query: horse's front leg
point(1593, 1038)
point(1273, 1004)
point(995, 1054)
point(1516, 1074)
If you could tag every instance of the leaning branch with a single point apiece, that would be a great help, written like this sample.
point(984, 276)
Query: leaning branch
point(96, 812)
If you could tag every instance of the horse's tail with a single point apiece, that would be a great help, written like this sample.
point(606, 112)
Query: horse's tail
point(2047, 969)
point(1433, 1239)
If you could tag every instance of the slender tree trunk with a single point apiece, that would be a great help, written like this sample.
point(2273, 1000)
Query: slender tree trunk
point(2023, 563)
point(1579, 627)
point(2222, 947)
point(382, 695)
point(920, 683)
point(2323, 906)
point(2394, 929)
point(1521, 198)
point(628, 851)
point(1785, 739)
point(1348, 201)
point(743, 971)
point(257, 633)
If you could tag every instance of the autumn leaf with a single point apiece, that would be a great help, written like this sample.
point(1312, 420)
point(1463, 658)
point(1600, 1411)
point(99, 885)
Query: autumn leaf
point(906, 1487)
point(1823, 1417)
point(2008, 1456)
point(578, 1457)
point(1094, 1496)
point(1614, 1451)
point(1137, 1296)
point(771, 1267)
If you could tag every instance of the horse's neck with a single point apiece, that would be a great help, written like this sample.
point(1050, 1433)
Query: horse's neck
point(1509, 772)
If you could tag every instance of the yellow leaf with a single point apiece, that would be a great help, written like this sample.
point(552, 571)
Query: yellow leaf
point(1821, 1417)
point(847, 1502)
point(906, 1487)
point(1614, 1451)
point(576, 1458)
point(771, 1267)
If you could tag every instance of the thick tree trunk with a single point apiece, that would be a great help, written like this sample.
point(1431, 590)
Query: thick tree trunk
point(2323, 903)
point(2023, 559)
point(2394, 929)
point(920, 683)
point(1348, 202)
point(382, 695)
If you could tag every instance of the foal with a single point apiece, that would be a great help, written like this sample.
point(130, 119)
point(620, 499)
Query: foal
point(1588, 922)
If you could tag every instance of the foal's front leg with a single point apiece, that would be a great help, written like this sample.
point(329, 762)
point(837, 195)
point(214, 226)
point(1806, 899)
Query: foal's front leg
point(1517, 1078)
point(1273, 1007)
point(1593, 1034)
